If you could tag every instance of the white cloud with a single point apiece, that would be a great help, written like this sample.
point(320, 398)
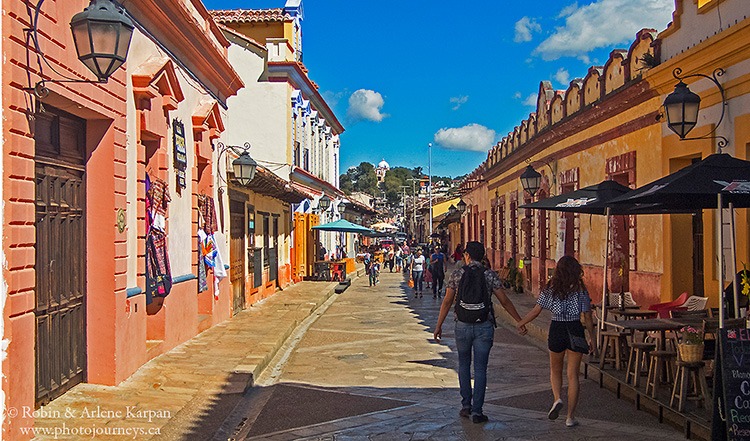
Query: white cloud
point(517, 95)
point(562, 76)
point(524, 27)
point(566, 11)
point(530, 100)
point(365, 105)
point(472, 137)
point(458, 100)
point(333, 98)
point(603, 23)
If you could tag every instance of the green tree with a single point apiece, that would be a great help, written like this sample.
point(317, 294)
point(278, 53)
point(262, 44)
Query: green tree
point(364, 179)
point(394, 179)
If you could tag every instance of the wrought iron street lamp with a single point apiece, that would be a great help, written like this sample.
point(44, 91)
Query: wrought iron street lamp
point(461, 206)
point(682, 107)
point(101, 33)
point(452, 209)
point(244, 169)
point(531, 180)
point(324, 203)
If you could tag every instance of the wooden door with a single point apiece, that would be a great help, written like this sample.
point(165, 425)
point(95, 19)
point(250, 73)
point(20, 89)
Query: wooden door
point(273, 252)
point(60, 254)
point(237, 250)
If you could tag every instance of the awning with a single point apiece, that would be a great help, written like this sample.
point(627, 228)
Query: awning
point(343, 226)
point(268, 184)
point(307, 191)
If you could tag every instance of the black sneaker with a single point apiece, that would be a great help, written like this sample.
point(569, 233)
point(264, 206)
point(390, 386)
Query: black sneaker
point(465, 412)
point(481, 418)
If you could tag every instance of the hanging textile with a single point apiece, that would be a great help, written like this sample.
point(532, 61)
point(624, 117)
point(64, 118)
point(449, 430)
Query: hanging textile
point(158, 271)
point(207, 211)
point(202, 276)
point(212, 258)
point(159, 196)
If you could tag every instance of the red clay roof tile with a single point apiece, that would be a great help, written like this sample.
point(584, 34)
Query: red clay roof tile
point(249, 15)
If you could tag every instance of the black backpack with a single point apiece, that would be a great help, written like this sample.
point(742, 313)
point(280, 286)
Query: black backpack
point(473, 304)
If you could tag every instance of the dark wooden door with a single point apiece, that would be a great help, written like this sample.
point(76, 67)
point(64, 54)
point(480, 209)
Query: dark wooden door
point(237, 253)
point(273, 252)
point(60, 254)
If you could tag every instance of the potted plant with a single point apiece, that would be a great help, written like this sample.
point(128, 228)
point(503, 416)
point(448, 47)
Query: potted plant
point(691, 348)
point(510, 282)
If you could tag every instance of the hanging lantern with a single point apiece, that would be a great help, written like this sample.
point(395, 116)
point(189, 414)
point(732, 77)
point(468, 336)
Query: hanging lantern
point(102, 34)
point(682, 109)
point(531, 180)
point(244, 169)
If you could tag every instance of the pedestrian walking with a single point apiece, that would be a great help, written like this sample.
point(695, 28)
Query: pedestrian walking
point(458, 255)
point(374, 273)
point(471, 287)
point(437, 267)
point(398, 259)
point(417, 269)
point(391, 257)
point(567, 298)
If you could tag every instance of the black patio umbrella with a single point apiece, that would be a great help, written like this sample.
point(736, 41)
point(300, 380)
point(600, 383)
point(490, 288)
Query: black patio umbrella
point(695, 187)
point(590, 200)
point(718, 180)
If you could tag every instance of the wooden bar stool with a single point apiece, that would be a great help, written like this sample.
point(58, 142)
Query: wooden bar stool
point(681, 390)
point(660, 366)
point(639, 353)
point(612, 340)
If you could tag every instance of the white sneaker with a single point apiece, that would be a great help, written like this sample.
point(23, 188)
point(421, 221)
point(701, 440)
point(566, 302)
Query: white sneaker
point(554, 412)
point(571, 422)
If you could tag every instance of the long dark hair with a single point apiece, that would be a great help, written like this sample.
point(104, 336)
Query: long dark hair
point(568, 278)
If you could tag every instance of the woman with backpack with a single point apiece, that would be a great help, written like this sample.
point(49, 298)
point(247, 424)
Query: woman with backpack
point(567, 298)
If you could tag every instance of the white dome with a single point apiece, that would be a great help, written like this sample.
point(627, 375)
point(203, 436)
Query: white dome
point(384, 164)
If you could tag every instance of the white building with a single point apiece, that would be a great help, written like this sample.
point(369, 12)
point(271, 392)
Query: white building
point(285, 119)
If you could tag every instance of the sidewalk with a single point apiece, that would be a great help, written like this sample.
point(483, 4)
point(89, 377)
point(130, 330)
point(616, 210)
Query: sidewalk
point(191, 388)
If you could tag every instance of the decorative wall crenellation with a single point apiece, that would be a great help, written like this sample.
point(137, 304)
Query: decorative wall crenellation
point(622, 68)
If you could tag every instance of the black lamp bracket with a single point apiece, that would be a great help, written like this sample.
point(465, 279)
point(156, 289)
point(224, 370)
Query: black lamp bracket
point(718, 72)
point(223, 150)
point(39, 89)
point(551, 171)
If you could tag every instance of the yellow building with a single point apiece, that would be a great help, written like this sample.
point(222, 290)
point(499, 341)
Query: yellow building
point(608, 125)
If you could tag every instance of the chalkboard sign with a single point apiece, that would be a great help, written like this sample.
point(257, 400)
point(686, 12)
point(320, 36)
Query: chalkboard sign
point(732, 387)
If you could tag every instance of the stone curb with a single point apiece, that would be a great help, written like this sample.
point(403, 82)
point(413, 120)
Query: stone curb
point(250, 371)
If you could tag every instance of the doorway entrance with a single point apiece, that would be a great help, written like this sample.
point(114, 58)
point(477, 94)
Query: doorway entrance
point(237, 253)
point(60, 263)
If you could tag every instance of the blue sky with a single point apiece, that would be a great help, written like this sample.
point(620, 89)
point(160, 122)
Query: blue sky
point(460, 75)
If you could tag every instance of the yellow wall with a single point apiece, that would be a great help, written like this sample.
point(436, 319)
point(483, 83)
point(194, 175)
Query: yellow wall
point(442, 208)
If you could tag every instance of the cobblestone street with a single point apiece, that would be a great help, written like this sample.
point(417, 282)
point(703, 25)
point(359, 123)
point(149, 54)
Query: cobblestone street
point(368, 368)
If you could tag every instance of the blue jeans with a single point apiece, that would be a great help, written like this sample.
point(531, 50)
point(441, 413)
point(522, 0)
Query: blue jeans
point(417, 277)
point(478, 336)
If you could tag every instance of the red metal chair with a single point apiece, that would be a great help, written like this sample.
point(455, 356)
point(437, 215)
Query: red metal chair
point(663, 309)
point(337, 272)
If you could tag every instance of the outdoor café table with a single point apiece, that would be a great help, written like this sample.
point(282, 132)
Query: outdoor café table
point(649, 325)
point(326, 268)
point(628, 314)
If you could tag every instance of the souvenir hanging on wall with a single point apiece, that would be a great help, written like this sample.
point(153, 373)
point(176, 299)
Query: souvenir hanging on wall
point(158, 271)
point(180, 153)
